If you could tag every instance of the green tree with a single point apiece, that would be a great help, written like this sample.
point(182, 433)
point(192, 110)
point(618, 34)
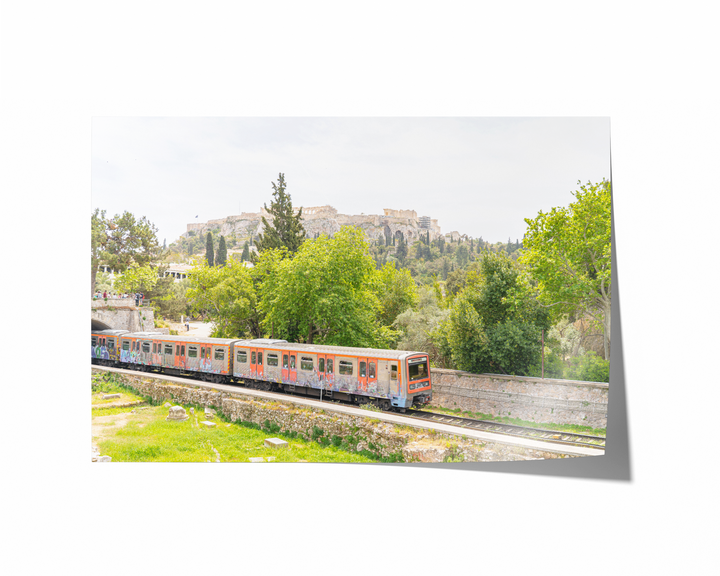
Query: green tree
point(221, 259)
point(567, 251)
point(209, 250)
point(226, 294)
point(325, 294)
point(397, 292)
point(401, 251)
point(286, 229)
point(245, 256)
point(495, 321)
point(420, 328)
point(121, 241)
point(138, 279)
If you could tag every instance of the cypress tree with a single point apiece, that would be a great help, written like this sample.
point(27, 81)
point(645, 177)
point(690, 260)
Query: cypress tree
point(221, 252)
point(286, 228)
point(245, 256)
point(209, 250)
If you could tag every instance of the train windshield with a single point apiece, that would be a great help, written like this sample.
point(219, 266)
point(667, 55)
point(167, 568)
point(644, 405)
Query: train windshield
point(418, 369)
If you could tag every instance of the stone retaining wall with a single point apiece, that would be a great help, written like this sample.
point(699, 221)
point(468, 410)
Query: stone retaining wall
point(535, 399)
point(365, 434)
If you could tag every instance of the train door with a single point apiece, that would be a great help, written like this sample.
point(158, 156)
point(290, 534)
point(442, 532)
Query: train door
point(362, 375)
point(289, 371)
point(167, 354)
point(256, 363)
point(325, 370)
point(292, 368)
point(330, 371)
point(193, 357)
point(145, 354)
point(372, 376)
point(394, 379)
point(157, 353)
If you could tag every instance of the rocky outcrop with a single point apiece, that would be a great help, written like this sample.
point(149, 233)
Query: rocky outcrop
point(326, 220)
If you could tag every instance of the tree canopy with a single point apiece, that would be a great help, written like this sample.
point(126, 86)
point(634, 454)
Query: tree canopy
point(495, 322)
point(226, 294)
point(209, 250)
point(121, 241)
point(286, 229)
point(221, 252)
point(567, 251)
point(326, 293)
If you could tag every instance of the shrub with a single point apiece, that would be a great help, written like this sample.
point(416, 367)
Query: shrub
point(589, 367)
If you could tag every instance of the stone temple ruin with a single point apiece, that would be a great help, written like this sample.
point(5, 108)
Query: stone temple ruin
point(326, 220)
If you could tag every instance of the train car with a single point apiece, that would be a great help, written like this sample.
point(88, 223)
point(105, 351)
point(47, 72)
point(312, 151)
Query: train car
point(387, 378)
point(390, 379)
point(104, 346)
point(209, 358)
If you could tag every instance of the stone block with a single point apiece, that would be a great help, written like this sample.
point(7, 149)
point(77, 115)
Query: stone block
point(257, 459)
point(275, 443)
point(109, 396)
point(104, 459)
point(208, 424)
point(177, 413)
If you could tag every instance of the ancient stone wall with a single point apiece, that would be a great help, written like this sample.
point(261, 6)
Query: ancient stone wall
point(122, 314)
point(355, 433)
point(323, 220)
point(534, 399)
point(411, 214)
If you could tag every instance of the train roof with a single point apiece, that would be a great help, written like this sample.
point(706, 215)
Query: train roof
point(326, 349)
point(178, 338)
point(268, 343)
point(109, 332)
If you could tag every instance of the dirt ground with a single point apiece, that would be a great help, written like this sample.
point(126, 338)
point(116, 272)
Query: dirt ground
point(198, 329)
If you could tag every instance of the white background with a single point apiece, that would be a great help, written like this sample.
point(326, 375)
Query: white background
point(651, 69)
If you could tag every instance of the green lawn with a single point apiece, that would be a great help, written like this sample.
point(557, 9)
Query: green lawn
point(146, 436)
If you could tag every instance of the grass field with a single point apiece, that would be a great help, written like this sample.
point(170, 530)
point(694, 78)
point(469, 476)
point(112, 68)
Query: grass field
point(142, 434)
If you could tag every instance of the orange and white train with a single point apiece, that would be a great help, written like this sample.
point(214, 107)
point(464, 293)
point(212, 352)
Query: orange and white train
point(390, 379)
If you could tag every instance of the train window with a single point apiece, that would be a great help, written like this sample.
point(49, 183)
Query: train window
point(259, 358)
point(362, 370)
point(329, 367)
point(321, 365)
point(285, 360)
point(272, 359)
point(111, 345)
point(242, 356)
point(306, 363)
point(371, 370)
point(253, 358)
point(219, 354)
point(126, 345)
point(168, 349)
point(417, 370)
point(154, 348)
point(146, 346)
point(292, 362)
point(182, 350)
point(192, 351)
point(393, 372)
point(177, 350)
point(345, 367)
point(94, 341)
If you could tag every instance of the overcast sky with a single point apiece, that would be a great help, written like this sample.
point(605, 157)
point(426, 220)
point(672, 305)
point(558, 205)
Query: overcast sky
point(479, 176)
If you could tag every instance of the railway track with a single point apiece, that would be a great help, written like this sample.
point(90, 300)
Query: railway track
point(568, 438)
point(554, 436)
